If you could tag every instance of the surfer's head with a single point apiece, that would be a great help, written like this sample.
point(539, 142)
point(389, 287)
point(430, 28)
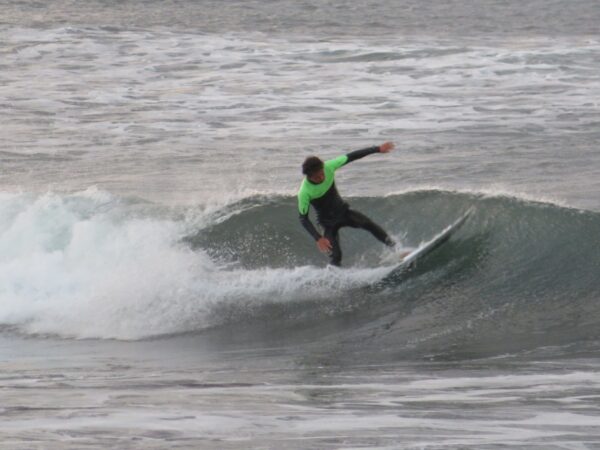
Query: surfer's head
point(313, 169)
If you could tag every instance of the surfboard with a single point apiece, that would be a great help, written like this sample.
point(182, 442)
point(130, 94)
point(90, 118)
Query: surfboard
point(429, 246)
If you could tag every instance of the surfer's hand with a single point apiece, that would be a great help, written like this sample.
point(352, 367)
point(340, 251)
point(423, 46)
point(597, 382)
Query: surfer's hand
point(385, 148)
point(324, 244)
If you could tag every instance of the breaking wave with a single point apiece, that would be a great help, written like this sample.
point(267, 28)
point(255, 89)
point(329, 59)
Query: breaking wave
point(519, 274)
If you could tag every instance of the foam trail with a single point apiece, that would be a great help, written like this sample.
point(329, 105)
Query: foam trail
point(90, 265)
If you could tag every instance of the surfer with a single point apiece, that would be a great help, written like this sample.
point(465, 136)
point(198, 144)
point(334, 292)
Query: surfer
point(318, 189)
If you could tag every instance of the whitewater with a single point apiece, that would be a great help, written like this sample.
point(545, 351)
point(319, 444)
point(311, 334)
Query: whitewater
point(158, 291)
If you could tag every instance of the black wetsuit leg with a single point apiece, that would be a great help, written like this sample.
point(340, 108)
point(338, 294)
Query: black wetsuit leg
point(335, 255)
point(352, 219)
point(355, 219)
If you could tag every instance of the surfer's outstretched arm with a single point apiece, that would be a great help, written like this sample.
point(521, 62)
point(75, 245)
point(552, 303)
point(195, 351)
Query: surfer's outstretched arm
point(357, 154)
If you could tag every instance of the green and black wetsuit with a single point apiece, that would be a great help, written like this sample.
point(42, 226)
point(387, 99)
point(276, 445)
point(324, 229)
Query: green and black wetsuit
point(332, 212)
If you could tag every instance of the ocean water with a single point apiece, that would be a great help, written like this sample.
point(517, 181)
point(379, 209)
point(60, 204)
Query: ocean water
point(157, 290)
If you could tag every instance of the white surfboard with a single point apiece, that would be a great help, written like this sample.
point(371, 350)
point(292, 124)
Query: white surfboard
point(427, 247)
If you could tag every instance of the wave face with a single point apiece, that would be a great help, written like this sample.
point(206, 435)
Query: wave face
point(519, 275)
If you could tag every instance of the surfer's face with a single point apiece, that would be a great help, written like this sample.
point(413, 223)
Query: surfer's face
point(317, 177)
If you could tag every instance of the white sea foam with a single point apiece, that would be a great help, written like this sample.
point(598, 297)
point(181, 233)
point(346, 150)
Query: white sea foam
point(90, 265)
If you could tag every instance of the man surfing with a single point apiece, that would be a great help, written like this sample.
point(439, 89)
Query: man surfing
point(318, 189)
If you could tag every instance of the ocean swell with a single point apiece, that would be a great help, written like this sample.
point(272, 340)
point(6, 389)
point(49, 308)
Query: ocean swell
point(519, 274)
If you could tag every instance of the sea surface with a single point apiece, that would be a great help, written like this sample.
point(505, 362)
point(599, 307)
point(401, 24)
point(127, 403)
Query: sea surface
point(158, 291)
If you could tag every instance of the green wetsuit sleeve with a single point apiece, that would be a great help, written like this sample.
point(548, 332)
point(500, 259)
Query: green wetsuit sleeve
point(303, 202)
point(338, 162)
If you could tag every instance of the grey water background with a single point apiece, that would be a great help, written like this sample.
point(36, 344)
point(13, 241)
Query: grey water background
point(156, 290)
